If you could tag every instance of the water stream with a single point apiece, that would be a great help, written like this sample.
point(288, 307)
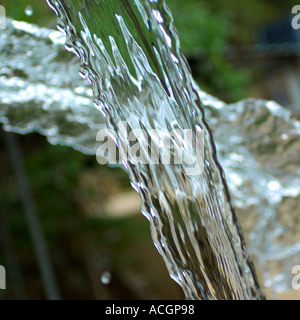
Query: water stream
point(129, 51)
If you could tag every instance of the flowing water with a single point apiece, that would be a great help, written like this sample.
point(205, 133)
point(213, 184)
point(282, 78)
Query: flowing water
point(130, 53)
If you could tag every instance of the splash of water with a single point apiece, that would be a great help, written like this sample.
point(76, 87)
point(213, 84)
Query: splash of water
point(41, 92)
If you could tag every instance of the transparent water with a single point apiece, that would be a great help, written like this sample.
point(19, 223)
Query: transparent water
point(130, 53)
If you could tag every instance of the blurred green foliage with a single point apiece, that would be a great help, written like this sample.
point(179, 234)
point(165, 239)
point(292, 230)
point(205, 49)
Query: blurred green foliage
point(205, 33)
point(205, 29)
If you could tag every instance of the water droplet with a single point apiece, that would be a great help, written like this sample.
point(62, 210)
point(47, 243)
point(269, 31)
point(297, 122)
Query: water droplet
point(29, 11)
point(106, 277)
point(273, 185)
